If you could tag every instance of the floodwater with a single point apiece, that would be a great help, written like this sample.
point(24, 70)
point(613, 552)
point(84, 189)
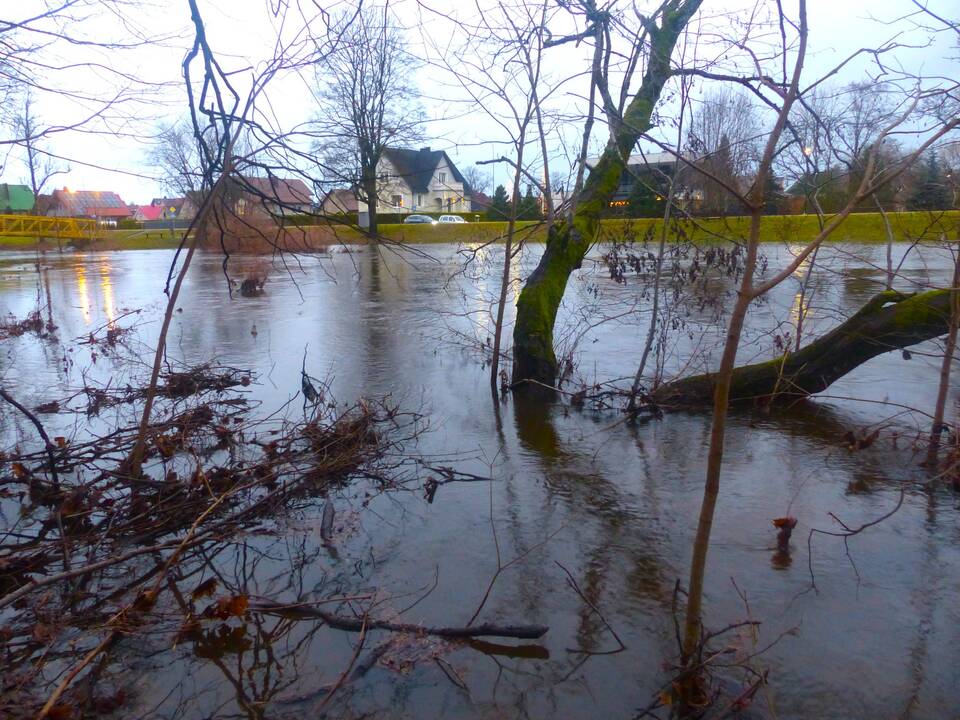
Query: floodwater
point(576, 491)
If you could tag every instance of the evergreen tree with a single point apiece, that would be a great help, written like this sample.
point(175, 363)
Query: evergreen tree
point(773, 195)
point(529, 206)
point(930, 192)
point(648, 197)
point(499, 208)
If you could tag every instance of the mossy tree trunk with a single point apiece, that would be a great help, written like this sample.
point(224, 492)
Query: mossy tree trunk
point(568, 242)
point(890, 321)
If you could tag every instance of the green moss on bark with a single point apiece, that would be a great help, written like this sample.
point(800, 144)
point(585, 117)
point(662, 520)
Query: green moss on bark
point(533, 354)
point(889, 321)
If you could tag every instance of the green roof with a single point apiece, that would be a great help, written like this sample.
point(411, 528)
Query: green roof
point(15, 198)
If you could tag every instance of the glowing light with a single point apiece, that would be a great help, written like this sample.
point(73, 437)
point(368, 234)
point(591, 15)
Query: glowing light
point(107, 287)
point(808, 151)
point(81, 274)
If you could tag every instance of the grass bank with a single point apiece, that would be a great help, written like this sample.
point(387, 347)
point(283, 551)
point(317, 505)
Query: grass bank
point(861, 227)
point(111, 240)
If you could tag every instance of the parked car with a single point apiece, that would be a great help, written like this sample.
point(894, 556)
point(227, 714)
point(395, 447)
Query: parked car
point(451, 219)
point(421, 219)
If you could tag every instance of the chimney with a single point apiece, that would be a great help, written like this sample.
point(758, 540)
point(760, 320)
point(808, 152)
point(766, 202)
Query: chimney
point(425, 149)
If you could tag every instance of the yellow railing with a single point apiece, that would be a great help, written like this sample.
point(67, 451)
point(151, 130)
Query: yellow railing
point(41, 226)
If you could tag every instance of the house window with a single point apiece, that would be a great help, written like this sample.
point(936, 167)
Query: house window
point(440, 203)
point(442, 177)
point(384, 177)
point(397, 200)
point(419, 200)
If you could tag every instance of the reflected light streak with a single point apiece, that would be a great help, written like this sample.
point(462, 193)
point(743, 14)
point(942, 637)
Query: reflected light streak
point(81, 273)
point(107, 287)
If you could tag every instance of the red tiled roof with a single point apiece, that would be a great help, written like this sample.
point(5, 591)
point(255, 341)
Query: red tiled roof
point(108, 212)
point(150, 212)
point(284, 192)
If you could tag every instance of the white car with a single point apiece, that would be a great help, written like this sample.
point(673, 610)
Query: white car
point(450, 219)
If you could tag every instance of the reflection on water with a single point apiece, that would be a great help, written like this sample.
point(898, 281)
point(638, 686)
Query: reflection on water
point(103, 270)
point(613, 504)
point(108, 308)
point(82, 292)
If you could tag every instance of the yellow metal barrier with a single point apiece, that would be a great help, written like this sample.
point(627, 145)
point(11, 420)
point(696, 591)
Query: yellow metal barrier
point(41, 226)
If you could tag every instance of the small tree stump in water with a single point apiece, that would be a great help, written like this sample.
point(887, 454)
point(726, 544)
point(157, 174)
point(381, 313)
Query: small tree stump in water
point(785, 526)
point(252, 287)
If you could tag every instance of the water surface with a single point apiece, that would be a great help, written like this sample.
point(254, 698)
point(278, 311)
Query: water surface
point(614, 504)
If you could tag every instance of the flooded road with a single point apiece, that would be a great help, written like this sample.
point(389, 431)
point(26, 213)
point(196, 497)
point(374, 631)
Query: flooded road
point(574, 491)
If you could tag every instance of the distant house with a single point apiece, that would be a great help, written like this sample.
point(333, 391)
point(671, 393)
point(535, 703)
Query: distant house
point(146, 213)
point(181, 208)
point(479, 202)
point(339, 202)
point(421, 180)
point(15, 198)
point(653, 170)
point(100, 205)
point(272, 196)
point(43, 204)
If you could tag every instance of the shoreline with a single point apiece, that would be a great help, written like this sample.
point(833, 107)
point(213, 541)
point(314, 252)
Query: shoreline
point(860, 228)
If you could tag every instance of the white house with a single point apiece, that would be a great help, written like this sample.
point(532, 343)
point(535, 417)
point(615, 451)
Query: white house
point(423, 180)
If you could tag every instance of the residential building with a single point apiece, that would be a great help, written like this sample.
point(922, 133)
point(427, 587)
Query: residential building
point(652, 171)
point(421, 180)
point(181, 208)
point(479, 201)
point(15, 199)
point(147, 213)
point(339, 202)
point(272, 196)
point(102, 205)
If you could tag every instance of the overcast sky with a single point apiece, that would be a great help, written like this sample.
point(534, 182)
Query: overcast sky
point(244, 33)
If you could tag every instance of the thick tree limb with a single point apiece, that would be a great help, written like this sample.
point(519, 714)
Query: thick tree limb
point(890, 321)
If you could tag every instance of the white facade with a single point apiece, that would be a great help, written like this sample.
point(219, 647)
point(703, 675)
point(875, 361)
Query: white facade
point(444, 192)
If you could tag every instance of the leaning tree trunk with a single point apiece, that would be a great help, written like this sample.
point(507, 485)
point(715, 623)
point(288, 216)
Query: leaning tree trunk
point(568, 242)
point(890, 321)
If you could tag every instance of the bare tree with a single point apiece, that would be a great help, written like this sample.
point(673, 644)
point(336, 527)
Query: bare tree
point(177, 159)
point(723, 136)
point(783, 94)
point(35, 38)
point(29, 131)
point(629, 115)
point(477, 179)
point(367, 101)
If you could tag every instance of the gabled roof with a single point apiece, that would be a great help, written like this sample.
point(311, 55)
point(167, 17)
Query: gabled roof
point(15, 198)
point(340, 200)
point(150, 212)
point(166, 202)
point(97, 203)
point(274, 189)
point(108, 211)
point(416, 167)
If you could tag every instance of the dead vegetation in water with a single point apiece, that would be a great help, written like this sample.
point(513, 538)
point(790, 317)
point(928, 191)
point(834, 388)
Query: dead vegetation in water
point(33, 323)
point(88, 533)
point(96, 556)
point(254, 276)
